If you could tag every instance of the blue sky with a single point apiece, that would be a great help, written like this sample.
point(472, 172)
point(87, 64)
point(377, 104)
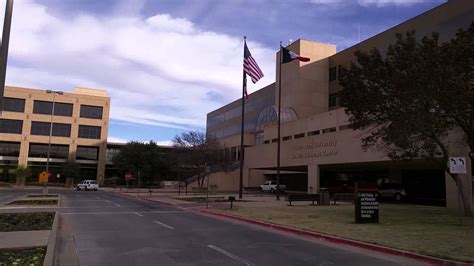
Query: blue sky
point(167, 63)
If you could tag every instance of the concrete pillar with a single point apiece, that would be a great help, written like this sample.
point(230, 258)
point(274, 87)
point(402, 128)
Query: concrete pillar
point(313, 178)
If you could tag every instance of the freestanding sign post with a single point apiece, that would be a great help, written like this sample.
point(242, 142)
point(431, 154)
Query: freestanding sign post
point(457, 165)
point(367, 206)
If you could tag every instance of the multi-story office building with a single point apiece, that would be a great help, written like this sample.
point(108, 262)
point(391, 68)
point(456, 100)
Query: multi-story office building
point(318, 146)
point(79, 130)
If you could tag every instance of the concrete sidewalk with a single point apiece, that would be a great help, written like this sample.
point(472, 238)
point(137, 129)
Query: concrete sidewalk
point(24, 239)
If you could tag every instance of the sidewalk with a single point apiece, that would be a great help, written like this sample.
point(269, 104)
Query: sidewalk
point(24, 239)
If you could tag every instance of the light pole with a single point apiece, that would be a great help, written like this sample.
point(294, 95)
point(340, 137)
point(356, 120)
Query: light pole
point(45, 187)
point(4, 47)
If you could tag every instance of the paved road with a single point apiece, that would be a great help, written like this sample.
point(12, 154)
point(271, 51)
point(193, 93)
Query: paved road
point(103, 228)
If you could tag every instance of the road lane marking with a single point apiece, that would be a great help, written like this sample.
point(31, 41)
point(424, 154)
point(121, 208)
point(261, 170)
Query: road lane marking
point(138, 214)
point(108, 201)
point(165, 225)
point(230, 255)
point(118, 205)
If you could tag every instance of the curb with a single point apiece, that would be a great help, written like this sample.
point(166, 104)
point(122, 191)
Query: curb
point(50, 251)
point(150, 200)
point(337, 240)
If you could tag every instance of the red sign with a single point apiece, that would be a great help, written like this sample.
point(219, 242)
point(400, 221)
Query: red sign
point(128, 176)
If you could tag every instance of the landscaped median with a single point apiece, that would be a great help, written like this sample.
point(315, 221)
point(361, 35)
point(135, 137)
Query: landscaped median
point(432, 231)
point(27, 238)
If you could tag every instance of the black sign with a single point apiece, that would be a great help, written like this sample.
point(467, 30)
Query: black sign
point(367, 206)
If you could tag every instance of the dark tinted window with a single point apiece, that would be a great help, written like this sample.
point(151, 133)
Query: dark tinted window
point(89, 111)
point(9, 149)
point(43, 107)
point(42, 129)
point(61, 130)
point(63, 109)
point(41, 151)
point(11, 126)
point(333, 99)
point(87, 153)
point(89, 132)
point(13, 104)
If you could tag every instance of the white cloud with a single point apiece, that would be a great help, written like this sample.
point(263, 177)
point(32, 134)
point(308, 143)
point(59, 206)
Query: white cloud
point(383, 3)
point(116, 140)
point(159, 70)
point(164, 143)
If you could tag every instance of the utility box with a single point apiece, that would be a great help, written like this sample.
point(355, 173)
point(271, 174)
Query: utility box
point(324, 198)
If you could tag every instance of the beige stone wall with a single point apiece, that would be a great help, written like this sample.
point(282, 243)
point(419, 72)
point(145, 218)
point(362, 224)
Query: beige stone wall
point(83, 96)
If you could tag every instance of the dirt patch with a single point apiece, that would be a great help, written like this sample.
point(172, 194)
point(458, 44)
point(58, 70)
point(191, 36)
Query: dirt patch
point(34, 202)
point(27, 221)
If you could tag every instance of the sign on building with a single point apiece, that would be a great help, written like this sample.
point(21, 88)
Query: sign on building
point(457, 165)
point(367, 206)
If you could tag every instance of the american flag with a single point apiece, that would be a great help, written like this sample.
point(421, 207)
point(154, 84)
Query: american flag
point(251, 68)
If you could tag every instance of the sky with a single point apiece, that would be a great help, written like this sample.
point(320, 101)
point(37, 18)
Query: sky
point(165, 64)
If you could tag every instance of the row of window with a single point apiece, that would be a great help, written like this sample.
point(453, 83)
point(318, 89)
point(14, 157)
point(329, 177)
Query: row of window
point(46, 108)
point(334, 72)
point(311, 133)
point(43, 129)
point(39, 150)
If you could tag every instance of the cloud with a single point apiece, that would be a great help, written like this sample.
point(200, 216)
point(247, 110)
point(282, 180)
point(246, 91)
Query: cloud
point(116, 140)
point(383, 3)
point(158, 70)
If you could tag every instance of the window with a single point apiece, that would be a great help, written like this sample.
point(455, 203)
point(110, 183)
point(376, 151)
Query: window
point(11, 126)
point(275, 140)
point(61, 130)
point(286, 138)
point(332, 73)
point(233, 154)
point(89, 111)
point(9, 148)
point(327, 130)
point(13, 104)
point(333, 97)
point(266, 142)
point(345, 127)
point(41, 151)
point(87, 153)
point(42, 129)
point(63, 109)
point(312, 133)
point(301, 135)
point(44, 107)
point(89, 132)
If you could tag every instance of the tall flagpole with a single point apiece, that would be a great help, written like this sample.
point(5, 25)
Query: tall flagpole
point(244, 86)
point(279, 125)
point(4, 48)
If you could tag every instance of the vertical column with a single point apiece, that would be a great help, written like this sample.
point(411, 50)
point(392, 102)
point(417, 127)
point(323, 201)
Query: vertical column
point(313, 178)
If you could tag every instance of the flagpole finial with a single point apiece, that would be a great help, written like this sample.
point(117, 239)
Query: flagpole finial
point(245, 37)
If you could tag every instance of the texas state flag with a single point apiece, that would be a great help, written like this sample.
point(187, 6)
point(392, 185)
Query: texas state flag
point(289, 56)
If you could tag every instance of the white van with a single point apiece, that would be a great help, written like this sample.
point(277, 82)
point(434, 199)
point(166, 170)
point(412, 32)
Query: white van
point(88, 185)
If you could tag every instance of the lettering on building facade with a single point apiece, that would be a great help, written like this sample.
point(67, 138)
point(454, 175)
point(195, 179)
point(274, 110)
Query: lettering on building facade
point(315, 149)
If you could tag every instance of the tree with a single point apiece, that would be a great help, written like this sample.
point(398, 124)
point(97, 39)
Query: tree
point(194, 148)
point(71, 169)
point(22, 172)
point(403, 99)
point(145, 161)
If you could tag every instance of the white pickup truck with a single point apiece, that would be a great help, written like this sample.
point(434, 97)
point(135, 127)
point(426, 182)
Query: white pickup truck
point(271, 186)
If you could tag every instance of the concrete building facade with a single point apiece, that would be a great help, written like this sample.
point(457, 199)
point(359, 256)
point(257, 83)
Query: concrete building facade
point(318, 146)
point(79, 131)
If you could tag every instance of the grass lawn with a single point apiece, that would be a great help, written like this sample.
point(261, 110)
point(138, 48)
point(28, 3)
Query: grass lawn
point(25, 256)
point(26, 221)
point(34, 202)
point(433, 231)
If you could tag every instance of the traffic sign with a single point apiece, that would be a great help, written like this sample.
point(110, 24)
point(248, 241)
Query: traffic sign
point(457, 165)
point(43, 177)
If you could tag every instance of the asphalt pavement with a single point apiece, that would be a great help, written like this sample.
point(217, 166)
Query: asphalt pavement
point(104, 228)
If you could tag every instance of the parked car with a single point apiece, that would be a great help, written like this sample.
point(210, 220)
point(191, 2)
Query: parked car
point(88, 185)
point(271, 186)
point(393, 191)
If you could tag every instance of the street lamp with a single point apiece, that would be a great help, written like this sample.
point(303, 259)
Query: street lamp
point(50, 134)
